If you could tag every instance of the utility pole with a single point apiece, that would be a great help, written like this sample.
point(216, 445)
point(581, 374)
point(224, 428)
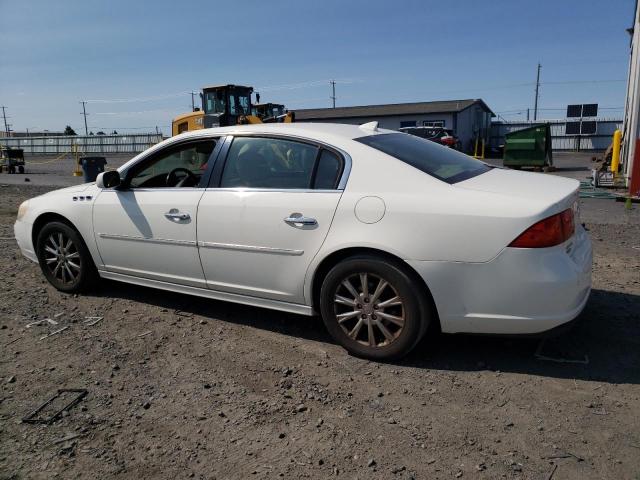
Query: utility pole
point(535, 105)
point(333, 89)
point(84, 112)
point(4, 116)
point(193, 102)
point(527, 114)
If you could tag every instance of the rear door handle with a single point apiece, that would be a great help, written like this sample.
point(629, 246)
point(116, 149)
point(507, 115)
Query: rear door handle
point(298, 218)
point(174, 214)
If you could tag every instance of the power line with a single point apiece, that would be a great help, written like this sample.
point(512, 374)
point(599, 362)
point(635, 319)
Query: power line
point(139, 99)
point(313, 83)
point(571, 82)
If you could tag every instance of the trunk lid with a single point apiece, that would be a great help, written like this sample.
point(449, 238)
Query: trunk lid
point(550, 193)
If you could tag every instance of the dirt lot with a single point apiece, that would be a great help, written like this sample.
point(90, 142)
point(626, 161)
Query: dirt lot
point(185, 387)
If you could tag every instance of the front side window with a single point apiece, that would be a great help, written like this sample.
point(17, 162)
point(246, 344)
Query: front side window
point(180, 166)
point(440, 162)
point(254, 162)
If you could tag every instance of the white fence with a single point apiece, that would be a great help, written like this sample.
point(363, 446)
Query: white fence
point(134, 143)
point(559, 139)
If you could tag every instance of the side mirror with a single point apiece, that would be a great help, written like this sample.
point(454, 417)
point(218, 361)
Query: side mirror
point(110, 179)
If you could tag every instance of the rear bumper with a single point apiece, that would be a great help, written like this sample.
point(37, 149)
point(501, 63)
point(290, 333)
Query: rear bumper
point(22, 232)
point(521, 291)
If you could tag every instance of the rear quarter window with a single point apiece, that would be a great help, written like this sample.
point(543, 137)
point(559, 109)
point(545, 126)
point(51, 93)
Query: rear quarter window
point(440, 162)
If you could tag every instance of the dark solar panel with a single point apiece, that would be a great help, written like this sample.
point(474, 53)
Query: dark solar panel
point(590, 110)
point(589, 128)
point(572, 128)
point(574, 111)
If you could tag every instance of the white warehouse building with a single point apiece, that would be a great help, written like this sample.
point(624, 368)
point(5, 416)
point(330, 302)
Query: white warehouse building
point(469, 119)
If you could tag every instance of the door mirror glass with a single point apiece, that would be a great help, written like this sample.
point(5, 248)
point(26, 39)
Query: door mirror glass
point(110, 179)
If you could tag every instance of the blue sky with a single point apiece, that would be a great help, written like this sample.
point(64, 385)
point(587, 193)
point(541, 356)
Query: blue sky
point(148, 55)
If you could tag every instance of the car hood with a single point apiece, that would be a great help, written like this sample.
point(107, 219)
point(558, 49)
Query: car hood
point(544, 190)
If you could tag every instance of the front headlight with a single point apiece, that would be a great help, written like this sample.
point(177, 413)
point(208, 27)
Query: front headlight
point(22, 209)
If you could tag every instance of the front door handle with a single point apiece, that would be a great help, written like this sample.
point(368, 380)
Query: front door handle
point(174, 214)
point(298, 218)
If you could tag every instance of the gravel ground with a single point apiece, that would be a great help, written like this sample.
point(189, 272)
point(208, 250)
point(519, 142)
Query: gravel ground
point(180, 386)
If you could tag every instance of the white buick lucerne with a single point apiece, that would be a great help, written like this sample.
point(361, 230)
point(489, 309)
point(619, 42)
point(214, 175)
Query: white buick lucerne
point(385, 234)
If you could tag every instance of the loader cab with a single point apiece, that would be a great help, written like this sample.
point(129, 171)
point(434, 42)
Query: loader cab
point(272, 113)
point(268, 110)
point(226, 105)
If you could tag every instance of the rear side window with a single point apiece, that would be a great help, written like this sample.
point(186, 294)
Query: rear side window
point(440, 162)
point(255, 162)
point(328, 172)
point(278, 163)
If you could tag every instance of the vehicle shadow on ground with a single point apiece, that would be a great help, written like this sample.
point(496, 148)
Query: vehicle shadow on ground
point(603, 346)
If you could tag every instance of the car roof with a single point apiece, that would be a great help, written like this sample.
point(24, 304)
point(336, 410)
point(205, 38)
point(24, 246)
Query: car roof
point(339, 135)
point(319, 131)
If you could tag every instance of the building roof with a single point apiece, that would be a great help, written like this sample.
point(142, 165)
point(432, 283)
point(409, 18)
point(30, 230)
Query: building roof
point(416, 108)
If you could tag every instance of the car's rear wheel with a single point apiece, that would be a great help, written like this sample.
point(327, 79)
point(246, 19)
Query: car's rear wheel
point(371, 306)
point(64, 258)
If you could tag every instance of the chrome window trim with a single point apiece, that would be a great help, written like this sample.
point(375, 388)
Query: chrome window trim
point(272, 190)
point(158, 189)
point(346, 171)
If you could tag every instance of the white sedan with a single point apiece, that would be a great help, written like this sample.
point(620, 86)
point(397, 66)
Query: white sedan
point(385, 234)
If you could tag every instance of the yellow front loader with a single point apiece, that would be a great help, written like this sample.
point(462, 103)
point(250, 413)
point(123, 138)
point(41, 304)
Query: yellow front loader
point(225, 105)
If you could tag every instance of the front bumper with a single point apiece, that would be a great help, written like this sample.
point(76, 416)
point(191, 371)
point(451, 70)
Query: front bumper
point(22, 232)
point(521, 291)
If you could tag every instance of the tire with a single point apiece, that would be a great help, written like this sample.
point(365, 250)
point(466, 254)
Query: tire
point(77, 272)
point(359, 325)
point(21, 169)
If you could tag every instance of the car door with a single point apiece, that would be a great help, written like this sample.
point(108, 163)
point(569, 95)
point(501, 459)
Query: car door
point(147, 227)
point(266, 214)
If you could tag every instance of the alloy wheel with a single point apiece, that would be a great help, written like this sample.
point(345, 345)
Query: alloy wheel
point(62, 258)
point(369, 310)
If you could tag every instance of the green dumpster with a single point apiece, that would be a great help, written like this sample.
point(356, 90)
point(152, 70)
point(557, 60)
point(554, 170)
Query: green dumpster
point(529, 147)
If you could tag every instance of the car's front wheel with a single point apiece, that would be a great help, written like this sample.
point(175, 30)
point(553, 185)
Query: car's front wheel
point(64, 258)
point(372, 307)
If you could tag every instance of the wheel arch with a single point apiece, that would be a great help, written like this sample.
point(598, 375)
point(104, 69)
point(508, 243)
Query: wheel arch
point(47, 217)
point(335, 257)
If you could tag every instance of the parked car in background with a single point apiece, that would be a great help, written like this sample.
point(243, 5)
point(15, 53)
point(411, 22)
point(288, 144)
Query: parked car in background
point(441, 135)
point(386, 235)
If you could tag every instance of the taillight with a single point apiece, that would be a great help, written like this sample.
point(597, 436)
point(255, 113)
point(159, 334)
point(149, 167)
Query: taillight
point(548, 232)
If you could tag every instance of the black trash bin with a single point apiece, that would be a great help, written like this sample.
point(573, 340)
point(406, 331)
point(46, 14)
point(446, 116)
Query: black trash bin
point(92, 166)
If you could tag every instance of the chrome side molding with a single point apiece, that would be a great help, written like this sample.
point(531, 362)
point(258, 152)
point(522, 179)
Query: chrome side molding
point(251, 248)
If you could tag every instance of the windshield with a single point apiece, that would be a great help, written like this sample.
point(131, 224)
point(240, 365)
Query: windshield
point(440, 162)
